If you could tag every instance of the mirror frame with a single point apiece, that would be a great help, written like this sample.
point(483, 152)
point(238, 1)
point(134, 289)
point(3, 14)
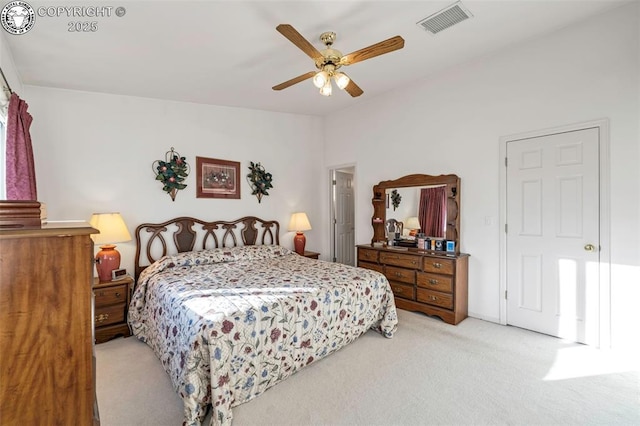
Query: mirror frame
point(452, 183)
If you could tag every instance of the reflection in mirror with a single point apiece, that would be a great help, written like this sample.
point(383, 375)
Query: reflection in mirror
point(413, 225)
point(393, 229)
point(439, 218)
point(426, 203)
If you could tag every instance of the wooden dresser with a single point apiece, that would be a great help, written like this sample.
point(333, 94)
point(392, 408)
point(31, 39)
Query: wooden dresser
point(434, 283)
point(46, 328)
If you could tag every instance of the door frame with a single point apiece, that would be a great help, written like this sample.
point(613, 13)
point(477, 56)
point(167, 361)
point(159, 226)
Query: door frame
point(604, 218)
point(332, 237)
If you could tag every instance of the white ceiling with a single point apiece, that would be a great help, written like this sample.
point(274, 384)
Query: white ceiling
point(229, 53)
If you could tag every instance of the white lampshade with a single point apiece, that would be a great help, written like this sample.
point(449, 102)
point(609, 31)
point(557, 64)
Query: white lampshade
point(320, 79)
point(341, 80)
point(112, 228)
point(299, 222)
point(412, 223)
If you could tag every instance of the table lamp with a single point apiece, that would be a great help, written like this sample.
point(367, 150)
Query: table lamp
point(412, 224)
point(112, 230)
point(299, 223)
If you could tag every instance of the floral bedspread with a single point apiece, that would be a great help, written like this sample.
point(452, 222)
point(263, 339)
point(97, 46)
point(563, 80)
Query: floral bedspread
point(230, 323)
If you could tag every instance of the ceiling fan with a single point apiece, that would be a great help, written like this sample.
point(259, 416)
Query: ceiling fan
point(329, 60)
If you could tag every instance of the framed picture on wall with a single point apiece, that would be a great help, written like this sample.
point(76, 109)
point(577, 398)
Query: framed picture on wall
point(217, 178)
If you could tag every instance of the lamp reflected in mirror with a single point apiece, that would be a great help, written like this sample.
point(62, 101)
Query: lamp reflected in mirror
point(412, 225)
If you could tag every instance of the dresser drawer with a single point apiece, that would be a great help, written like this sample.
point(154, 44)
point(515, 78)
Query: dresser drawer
point(400, 274)
point(404, 260)
point(435, 282)
point(402, 290)
point(372, 266)
point(436, 298)
point(437, 265)
point(110, 315)
point(368, 255)
point(110, 295)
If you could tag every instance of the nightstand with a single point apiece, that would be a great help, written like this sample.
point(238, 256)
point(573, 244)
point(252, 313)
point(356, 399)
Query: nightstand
point(311, 254)
point(111, 307)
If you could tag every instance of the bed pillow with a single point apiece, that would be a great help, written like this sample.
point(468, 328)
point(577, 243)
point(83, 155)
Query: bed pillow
point(211, 256)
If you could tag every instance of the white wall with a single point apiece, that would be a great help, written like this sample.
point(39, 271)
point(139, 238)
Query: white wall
point(94, 152)
point(8, 65)
point(452, 123)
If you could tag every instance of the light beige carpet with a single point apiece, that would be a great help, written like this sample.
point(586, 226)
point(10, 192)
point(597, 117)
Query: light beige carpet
point(430, 373)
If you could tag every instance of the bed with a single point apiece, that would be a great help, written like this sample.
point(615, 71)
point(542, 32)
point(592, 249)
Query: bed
point(230, 313)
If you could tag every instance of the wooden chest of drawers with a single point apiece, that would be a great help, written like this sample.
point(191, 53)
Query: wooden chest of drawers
point(47, 366)
point(111, 307)
point(430, 282)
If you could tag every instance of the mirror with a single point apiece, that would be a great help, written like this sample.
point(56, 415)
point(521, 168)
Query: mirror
point(403, 199)
point(408, 210)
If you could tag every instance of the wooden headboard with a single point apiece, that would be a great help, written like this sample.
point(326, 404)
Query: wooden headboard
point(154, 240)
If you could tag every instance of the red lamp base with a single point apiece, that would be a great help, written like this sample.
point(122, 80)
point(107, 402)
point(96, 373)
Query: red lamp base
point(298, 243)
point(107, 259)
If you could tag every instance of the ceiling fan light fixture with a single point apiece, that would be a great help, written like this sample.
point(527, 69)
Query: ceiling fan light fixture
point(341, 80)
point(326, 89)
point(328, 60)
point(320, 79)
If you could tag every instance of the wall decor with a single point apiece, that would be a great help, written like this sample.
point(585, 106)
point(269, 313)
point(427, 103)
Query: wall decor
point(395, 198)
point(172, 172)
point(217, 178)
point(259, 179)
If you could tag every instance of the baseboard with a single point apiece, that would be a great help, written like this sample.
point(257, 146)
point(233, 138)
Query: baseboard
point(484, 317)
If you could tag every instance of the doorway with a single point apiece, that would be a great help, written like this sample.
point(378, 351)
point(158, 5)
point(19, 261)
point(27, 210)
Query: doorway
point(342, 220)
point(554, 255)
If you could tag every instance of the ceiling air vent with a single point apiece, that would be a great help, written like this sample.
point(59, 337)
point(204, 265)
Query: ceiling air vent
point(445, 18)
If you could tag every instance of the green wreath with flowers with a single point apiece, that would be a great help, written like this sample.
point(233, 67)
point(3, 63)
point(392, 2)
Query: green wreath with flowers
point(172, 172)
point(259, 179)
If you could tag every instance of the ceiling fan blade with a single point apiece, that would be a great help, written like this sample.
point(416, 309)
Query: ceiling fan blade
point(386, 46)
point(293, 81)
point(353, 89)
point(296, 38)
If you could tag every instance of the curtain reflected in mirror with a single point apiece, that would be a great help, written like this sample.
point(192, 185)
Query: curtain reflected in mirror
point(432, 211)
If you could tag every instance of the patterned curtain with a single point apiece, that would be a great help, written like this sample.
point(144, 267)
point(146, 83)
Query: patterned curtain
point(432, 211)
point(20, 170)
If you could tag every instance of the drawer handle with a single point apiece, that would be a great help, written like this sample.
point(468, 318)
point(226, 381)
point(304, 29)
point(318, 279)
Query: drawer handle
point(432, 281)
point(437, 265)
point(102, 317)
point(414, 262)
point(117, 294)
point(433, 298)
point(398, 274)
